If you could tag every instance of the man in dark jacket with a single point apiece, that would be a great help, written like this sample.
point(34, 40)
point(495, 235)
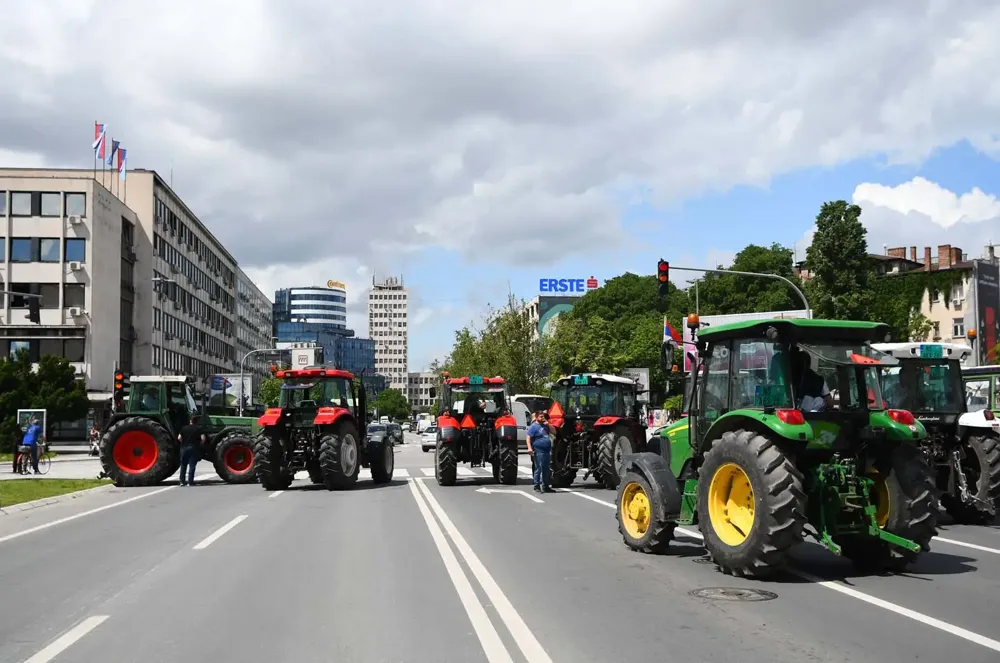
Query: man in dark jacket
point(191, 439)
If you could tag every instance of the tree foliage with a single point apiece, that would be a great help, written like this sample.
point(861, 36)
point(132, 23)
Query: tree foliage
point(842, 271)
point(269, 391)
point(720, 294)
point(53, 387)
point(392, 403)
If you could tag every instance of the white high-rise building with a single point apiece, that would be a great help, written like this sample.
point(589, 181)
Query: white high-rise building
point(387, 326)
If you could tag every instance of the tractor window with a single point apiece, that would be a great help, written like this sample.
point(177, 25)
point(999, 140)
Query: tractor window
point(977, 394)
point(321, 392)
point(996, 393)
point(716, 384)
point(842, 367)
point(178, 394)
point(923, 386)
point(629, 399)
point(760, 381)
point(145, 398)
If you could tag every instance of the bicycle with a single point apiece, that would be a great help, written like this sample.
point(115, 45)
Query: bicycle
point(24, 459)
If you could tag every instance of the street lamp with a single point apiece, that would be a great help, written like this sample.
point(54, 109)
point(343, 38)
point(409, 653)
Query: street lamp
point(157, 280)
point(243, 365)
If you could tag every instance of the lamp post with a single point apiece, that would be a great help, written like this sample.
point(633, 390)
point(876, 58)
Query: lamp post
point(243, 365)
point(157, 280)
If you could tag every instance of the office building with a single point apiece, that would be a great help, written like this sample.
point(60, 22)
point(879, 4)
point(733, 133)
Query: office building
point(387, 326)
point(543, 311)
point(254, 327)
point(315, 305)
point(418, 390)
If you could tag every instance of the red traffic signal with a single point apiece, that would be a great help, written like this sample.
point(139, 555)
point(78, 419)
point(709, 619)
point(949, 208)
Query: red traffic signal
point(119, 381)
point(663, 277)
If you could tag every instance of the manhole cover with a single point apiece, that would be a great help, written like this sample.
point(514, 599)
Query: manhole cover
point(733, 594)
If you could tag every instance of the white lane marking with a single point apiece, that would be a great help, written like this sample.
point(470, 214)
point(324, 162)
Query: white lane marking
point(75, 516)
point(489, 639)
point(275, 494)
point(982, 640)
point(466, 472)
point(526, 641)
point(400, 473)
point(428, 471)
point(967, 545)
point(217, 534)
point(510, 491)
point(67, 639)
point(524, 470)
point(586, 496)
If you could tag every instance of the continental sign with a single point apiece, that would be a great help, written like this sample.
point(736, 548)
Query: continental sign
point(336, 284)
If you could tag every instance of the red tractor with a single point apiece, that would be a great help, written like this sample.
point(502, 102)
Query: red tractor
point(597, 422)
point(318, 427)
point(475, 427)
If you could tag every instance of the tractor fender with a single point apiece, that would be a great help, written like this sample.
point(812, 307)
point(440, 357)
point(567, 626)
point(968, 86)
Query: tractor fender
point(450, 435)
point(506, 428)
point(326, 416)
point(270, 417)
point(447, 421)
point(657, 445)
point(661, 480)
point(979, 421)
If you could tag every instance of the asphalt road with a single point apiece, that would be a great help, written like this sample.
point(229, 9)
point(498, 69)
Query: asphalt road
point(413, 572)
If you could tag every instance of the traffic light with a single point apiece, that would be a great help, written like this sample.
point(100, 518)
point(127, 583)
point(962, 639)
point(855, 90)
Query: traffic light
point(663, 276)
point(34, 304)
point(119, 393)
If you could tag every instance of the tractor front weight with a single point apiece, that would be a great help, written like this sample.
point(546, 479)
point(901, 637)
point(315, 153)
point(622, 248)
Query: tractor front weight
point(841, 505)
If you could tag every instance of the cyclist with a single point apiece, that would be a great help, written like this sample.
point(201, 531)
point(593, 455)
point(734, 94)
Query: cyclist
point(31, 437)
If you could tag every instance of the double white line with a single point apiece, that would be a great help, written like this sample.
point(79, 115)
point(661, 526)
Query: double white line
point(496, 651)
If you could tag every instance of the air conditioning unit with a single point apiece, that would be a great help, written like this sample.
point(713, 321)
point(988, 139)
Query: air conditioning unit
point(75, 266)
point(74, 219)
point(75, 312)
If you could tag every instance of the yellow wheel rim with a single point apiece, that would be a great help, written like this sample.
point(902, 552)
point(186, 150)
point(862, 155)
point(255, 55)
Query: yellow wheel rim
point(731, 505)
point(635, 510)
point(883, 501)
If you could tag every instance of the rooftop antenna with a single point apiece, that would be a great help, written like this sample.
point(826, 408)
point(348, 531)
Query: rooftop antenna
point(885, 249)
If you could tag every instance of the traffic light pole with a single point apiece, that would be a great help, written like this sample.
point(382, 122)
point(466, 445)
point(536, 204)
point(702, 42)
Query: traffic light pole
point(33, 306)
point(756, 274)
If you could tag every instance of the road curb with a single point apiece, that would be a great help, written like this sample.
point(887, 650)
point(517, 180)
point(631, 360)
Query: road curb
point(46, 501)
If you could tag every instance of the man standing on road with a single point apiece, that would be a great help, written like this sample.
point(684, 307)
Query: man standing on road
point(31, 436)
point(539, 436)
point(191, 439)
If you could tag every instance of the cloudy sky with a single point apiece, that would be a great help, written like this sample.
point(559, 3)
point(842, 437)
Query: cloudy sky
point(476, 147)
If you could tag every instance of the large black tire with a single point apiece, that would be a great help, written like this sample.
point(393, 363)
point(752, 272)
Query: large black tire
point(610, 448)
point(445, 464)
point(778, 501)
point(340, 457)
point(912, 514)
point(636, 509)
point(981, 466)
point(233, 458)
point(270, 463)
point(384, 463)
point(508, 463)
point(138, 451)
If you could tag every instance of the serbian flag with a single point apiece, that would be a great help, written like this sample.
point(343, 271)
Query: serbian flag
point(99, 132)
point(122, 162)
point(669, 333)
point(112, 152)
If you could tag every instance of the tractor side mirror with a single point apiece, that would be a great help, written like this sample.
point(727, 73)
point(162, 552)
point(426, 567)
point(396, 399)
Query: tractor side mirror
point(433, 393)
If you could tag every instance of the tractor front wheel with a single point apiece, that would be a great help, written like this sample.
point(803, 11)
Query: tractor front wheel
point(507, 460)
point(384, 463)
point(138, 451)
point(445, 464)
point(234, 459)
point(269, 463)
point(340, 458)
point(751, 505)
point(611, 447)
point(981, 466)
point(640, 528)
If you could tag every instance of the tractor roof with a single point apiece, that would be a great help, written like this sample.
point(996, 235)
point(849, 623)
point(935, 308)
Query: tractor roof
point(924, 350)
point(466, 381)
point(981, 370)
point(601, 376)
point(313, 372)
point(798, 329)
point(137, 379)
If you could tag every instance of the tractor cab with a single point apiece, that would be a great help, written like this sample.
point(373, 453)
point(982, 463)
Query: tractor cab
point(582, 400)
point(308, 392)
point(169, 396)
point(480, 399)
point(926, 379)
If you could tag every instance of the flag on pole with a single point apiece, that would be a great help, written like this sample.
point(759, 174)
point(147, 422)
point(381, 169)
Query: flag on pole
point(122, 163)
point(99, 133)
point(669, 333)
point(112, 152)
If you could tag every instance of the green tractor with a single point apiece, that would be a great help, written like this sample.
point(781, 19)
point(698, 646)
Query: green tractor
point(139, 446)
point(786, 434)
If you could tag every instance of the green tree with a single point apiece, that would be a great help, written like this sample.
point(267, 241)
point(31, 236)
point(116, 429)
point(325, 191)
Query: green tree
point(269, 391)
point(842, 272)
point(392, 403)
point(53, 387)
point(723, 294)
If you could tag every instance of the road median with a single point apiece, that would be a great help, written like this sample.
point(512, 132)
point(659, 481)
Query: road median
point(24, 494)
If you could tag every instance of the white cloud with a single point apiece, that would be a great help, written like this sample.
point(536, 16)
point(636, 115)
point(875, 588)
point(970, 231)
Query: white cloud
point(421, 316)
point(929, 199)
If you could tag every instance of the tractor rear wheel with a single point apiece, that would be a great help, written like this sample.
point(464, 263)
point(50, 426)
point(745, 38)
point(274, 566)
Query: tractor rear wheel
point(270, 463)
point(610, 448)
point(445, 464)
point(636, 515)
point(384, 464)
point(507, 457)
point(234, 458)
point(904, 505)
point(339, 458)
point(139, 451)
point(751, 505)
point(315, 471)
point(981, 466)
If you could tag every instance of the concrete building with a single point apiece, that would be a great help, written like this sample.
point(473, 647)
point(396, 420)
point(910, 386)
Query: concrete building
point(254, 328)
point(316, 305)
point(418, 388)
point(543, 311)
point(387, 326)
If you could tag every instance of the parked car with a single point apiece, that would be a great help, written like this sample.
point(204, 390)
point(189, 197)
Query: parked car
point(428, 438)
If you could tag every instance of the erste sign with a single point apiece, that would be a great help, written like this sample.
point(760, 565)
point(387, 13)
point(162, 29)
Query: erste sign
point(567, 285)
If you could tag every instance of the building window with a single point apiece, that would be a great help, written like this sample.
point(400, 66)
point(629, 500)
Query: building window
point(958, 327)
point(48, 249)
point(76, 250)
point(20, 249)
point(50, 295)
point(20, 203)
point(73, 295)
point(3, 203)
point(51, 204)
point(76, 204)
point(937, 330)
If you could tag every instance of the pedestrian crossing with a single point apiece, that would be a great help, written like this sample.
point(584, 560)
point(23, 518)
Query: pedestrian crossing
point(423, 472)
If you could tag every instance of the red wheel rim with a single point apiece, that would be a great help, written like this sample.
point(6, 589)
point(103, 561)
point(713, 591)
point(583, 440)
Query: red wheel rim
point(239, 459)
point(136, 452)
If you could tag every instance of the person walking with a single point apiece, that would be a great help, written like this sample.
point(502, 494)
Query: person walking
point(31, 437)
point(539, 436)
point(191, 439)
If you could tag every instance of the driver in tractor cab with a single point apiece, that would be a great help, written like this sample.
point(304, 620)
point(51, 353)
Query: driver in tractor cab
point(809, 385)
point(475, 408)
point(151, 399)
